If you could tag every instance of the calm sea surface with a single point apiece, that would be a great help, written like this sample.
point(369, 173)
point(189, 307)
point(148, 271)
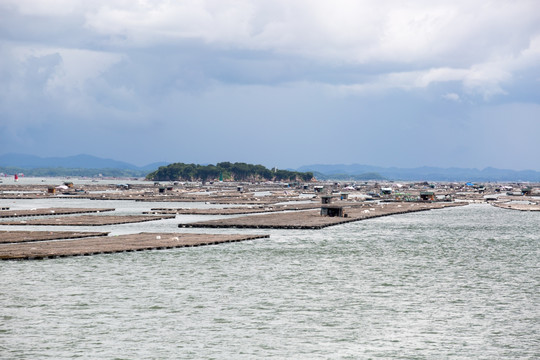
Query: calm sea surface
point(461, 283)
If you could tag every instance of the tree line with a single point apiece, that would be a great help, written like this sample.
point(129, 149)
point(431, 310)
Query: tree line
point(226, 171)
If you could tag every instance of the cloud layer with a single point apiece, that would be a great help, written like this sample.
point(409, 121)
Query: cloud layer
point(275, 76)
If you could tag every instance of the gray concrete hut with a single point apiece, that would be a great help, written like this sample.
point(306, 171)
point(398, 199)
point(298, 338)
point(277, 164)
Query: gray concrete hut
point(326, 199)
point(332, 210)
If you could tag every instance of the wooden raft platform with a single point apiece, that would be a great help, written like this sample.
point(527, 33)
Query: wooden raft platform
point(89, 220)
point(50, 211)
point(29, 236)
point(114, 244)
point(518, 206)
point(313, 219)
point(235, 210)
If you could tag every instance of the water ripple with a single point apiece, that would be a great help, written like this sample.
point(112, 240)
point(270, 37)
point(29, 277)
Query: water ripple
point(456, 283)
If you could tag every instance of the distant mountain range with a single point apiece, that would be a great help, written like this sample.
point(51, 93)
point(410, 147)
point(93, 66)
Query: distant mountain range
point(359, 172)
point(86, 165)
point(78, 165)
point(81, 161)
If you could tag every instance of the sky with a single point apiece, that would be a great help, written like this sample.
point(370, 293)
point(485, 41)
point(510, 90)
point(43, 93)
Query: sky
point(281, 83)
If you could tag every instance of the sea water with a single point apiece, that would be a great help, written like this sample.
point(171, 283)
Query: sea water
point(457, 283)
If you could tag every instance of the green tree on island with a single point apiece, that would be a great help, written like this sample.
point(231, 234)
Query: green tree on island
point(229, 171)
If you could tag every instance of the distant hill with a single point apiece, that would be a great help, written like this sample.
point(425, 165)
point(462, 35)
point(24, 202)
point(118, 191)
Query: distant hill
point(349, 177)
point(88, 165)
point(78, 165)
point(424, 173)
point(81, 161)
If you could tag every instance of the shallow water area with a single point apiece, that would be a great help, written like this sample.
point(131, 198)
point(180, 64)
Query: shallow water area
point(453, 283)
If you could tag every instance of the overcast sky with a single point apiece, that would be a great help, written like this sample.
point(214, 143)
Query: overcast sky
point(280, 82)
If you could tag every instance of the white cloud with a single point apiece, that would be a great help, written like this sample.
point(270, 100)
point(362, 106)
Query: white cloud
point(430, 42)
point(39, 81)
point(481, 45)
point(45, 7)
point(148, 23)
point(484, 79)
point(79, 66)
point(452, 96)
point(343, 30)
point(75, 66)
point(460, 32)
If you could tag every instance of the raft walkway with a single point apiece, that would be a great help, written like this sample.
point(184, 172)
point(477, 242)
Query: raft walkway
point(235, 210)
point(30, 236)
point(313, 220)
point(518, 206)
point(157, 197)
point(50, 211)
point(115, 244)
point(89, 220)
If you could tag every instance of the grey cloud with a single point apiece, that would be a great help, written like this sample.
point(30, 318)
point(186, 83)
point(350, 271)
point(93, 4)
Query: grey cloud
point(270, 86)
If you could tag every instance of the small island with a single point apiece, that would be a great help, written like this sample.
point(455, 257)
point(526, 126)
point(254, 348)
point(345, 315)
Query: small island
point(225, 171)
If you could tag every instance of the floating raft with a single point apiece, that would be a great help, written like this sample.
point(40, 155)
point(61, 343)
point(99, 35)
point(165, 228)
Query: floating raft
point(49, 211)
point(518, 206)
point(114, 244)
point(235, 210)
point(313, 219)
point(29, 236)
point(238, 201)
point(89, 220)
